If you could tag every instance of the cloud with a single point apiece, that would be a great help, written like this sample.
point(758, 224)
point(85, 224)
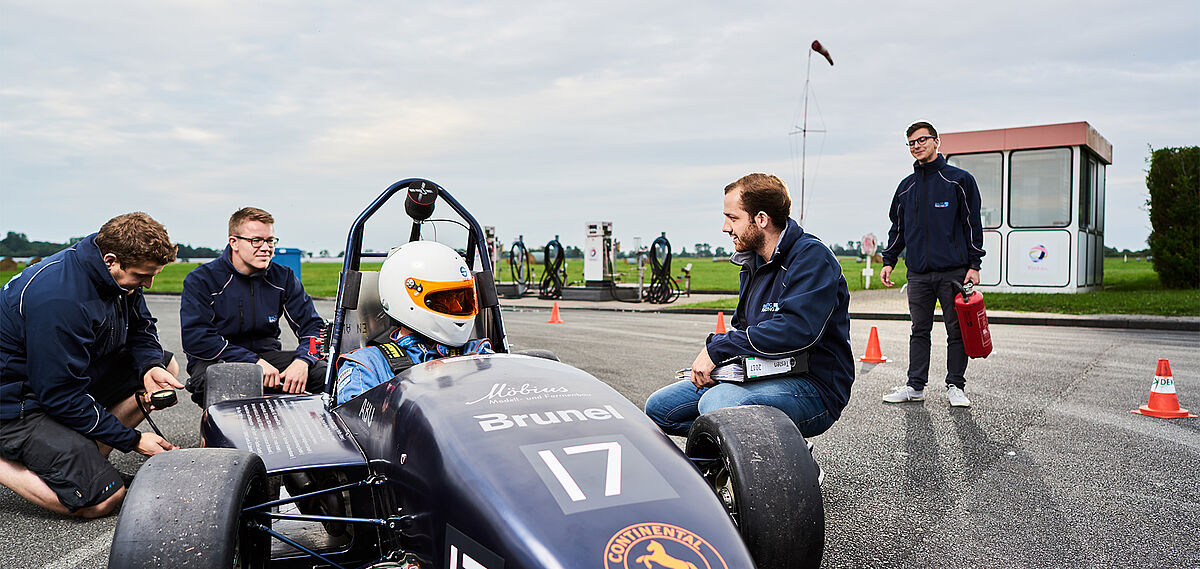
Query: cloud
point(544, 116)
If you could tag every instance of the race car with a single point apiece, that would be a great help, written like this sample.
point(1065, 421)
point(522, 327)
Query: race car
point(484, 461)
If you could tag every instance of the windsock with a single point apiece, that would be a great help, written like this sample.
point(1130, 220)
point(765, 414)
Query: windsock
point(817, 47)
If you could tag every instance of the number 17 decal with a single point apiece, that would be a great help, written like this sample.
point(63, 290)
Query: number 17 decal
point(612, 474)
point(590, 473)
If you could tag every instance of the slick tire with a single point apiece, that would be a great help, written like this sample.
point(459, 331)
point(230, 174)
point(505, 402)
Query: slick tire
point(184, 510)
point(539, 353)
point(762, 471)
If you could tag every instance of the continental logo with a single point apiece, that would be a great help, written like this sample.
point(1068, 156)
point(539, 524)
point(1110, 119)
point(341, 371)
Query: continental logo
point(660, 546)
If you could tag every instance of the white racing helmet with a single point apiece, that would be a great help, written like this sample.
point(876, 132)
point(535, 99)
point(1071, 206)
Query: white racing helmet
point(427, 287)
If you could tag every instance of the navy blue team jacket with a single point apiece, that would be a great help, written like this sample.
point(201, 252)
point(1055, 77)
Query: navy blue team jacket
point(935, 214)
point(796, 302)
point(62, 321)
point(230, 317)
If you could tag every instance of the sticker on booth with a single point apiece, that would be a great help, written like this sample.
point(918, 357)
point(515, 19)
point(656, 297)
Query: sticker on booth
point(1038, 253)
point(1039, 258)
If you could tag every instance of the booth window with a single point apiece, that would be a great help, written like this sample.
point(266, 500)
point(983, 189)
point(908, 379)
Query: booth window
point(1040, 188)
point(987, 169)
point(1091, 187)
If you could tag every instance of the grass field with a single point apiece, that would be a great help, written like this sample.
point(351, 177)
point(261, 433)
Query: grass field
point(706, 273)
point(1129, 288)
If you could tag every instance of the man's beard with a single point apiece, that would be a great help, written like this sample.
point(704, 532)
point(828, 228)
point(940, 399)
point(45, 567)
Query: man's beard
point(751, 240)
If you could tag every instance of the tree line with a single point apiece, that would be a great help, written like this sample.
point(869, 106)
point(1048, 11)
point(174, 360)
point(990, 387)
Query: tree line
point(18, 245)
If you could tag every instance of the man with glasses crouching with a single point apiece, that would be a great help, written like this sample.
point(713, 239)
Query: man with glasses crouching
point(232, 306)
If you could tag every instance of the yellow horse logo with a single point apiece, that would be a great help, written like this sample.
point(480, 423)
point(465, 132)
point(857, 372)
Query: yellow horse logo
point(658, 554)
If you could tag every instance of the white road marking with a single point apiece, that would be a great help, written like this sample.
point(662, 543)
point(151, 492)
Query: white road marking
point(72, 559)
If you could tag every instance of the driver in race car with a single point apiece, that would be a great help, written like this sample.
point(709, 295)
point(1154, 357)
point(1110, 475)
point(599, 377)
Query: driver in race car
point(427, 288)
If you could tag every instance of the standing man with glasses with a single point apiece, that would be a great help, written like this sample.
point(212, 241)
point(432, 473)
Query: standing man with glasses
point(231, 308)
point(936, 221)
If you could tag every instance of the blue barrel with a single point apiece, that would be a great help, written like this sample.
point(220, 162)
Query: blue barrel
point(289, 258)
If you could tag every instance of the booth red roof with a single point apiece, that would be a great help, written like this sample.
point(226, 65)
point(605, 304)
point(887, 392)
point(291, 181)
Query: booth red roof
point(1041, 136)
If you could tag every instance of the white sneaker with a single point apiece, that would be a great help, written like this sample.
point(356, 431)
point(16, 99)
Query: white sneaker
point(820, 471)
point(904, 393)
point(957, 397)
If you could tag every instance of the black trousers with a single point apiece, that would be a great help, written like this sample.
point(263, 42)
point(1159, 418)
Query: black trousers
point(278, 358)
point(924, 289)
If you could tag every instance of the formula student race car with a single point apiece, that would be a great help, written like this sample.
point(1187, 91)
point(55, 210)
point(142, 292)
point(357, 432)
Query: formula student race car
point(503, 460)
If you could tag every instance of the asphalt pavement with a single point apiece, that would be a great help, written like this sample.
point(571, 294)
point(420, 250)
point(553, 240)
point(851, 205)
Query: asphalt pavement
point(1047, 469)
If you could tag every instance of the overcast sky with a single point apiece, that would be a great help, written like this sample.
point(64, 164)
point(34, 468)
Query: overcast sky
point(542, 116)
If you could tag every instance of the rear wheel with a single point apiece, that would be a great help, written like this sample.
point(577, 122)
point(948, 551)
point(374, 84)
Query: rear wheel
point(185, 509)
point(762, 471)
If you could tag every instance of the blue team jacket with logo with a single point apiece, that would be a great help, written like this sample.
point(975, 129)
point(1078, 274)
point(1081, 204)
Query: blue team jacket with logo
point(230, 317)
point(795, 303)
point(935, 215)
point(62, 321)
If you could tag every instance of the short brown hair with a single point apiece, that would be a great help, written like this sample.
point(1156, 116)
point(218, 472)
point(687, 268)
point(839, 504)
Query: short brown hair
point(765, 193)
point(914, 127)
point(248, 214)
point(136, 239)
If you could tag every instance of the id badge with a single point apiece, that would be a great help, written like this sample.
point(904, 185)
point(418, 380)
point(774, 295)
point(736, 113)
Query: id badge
point(762, 367)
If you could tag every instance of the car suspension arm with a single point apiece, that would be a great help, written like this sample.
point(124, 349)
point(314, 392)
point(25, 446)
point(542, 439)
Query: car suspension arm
point(293, 543)
point(373, 480)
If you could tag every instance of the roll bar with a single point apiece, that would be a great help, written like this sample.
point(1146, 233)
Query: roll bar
point(419, 202)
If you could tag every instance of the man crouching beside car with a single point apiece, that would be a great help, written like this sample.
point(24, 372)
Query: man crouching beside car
point(792, 318)
point(77, 345)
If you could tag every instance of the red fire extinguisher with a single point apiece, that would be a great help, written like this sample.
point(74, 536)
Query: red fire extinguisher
point(972, 322)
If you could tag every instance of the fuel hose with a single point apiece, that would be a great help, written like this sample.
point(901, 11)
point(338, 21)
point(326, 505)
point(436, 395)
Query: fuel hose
point(553, 274)
point(662, 289)
point(518, 262)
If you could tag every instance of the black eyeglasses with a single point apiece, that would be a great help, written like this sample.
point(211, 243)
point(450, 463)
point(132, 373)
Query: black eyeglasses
point(257, 242)
point(920, 140)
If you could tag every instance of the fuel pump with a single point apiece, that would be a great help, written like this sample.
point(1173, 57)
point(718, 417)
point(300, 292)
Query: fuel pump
point(492, 243)
point(599, 255)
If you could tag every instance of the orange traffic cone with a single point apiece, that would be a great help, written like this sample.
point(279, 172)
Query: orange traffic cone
point(874, 355)
point(1163, 404)
point(720, 322)
point(554, 318)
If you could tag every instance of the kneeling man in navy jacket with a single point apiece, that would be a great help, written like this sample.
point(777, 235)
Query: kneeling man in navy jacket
point(77, 345)
point(791, 336)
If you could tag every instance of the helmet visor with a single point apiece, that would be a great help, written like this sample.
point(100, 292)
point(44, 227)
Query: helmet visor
point(448, 298)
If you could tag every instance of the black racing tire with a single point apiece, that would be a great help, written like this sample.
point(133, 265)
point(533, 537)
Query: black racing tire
point(228, 381)
point(184, 509)
point(764, 474)
point(539, 353)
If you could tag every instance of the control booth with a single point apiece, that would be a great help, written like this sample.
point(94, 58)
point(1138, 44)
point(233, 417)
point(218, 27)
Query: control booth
point(1042, 204)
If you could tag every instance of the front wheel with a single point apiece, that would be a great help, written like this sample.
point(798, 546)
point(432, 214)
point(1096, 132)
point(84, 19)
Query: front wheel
point(762, 471)
point(185, 509)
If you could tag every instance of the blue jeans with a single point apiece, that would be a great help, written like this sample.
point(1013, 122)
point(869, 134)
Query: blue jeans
point(675, 406)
